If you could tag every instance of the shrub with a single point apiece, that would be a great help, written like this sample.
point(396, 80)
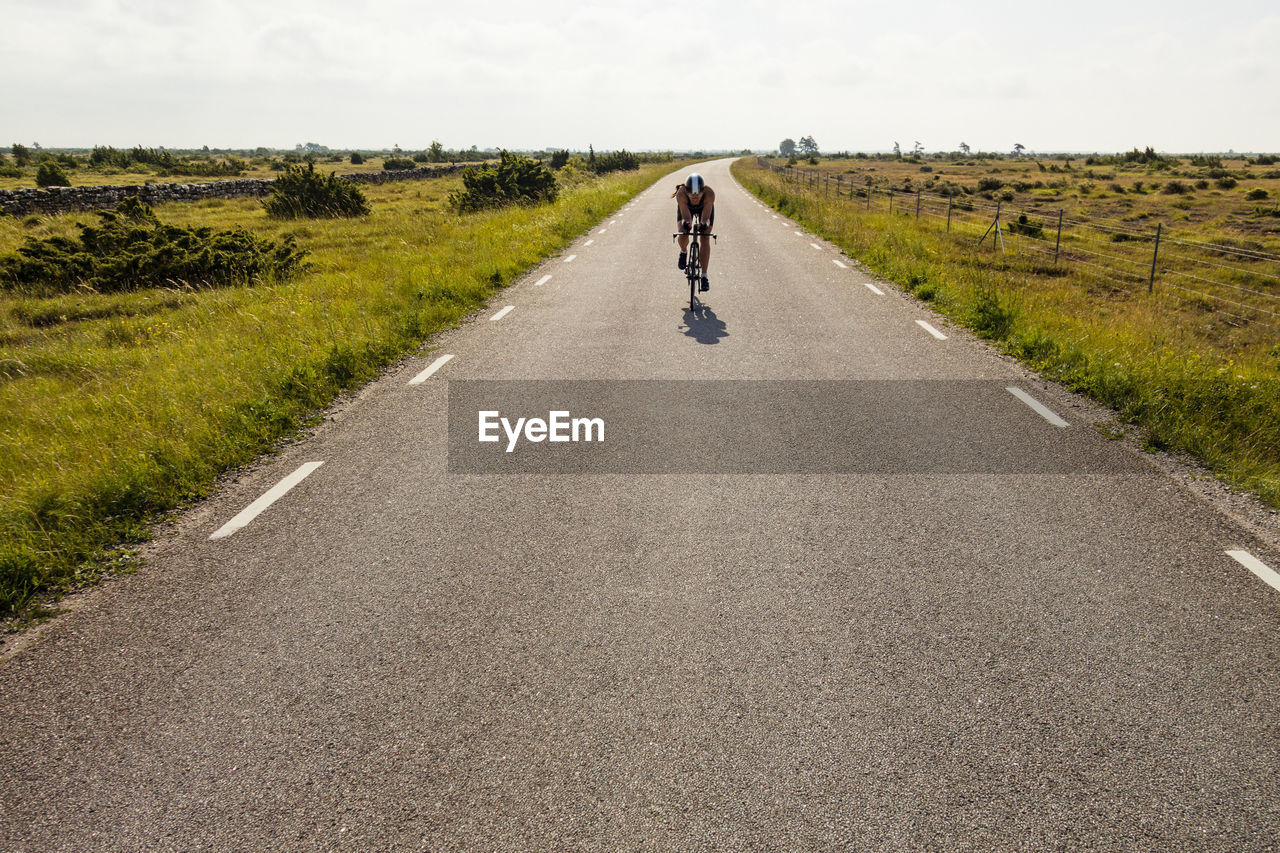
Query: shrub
point(618, 161)
point(1267, 160)
point(1202, 184)
point(989, 184)
point(356, 158)
point(392, 164)
point(513, 180)
point(50, 174)
point(130, 249)
point(1257, 194)
point(7, 171)
point(559, 159)
point(1117, 188)
point(1026, 226)
point(303, 192)
point(1226, 183)
point(1175, 188)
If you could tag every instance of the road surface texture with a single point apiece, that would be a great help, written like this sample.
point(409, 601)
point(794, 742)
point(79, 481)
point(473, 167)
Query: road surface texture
point(904, 610)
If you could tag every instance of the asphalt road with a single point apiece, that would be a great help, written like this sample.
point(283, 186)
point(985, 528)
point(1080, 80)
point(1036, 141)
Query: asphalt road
point(898, 611)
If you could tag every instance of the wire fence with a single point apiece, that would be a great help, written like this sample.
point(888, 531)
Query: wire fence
point(1239, 283)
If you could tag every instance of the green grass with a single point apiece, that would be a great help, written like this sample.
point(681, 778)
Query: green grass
point(1192, 380)
point(116, 408)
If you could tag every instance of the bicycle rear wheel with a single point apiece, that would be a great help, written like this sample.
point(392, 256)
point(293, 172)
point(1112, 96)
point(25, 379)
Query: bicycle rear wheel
point(693, 269)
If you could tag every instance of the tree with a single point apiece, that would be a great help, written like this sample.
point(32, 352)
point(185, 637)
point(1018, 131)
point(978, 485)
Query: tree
point(436, 152)
point(918, 150)
point(964, 148)
point(787, 147)
point(808, 147)
point(21, 154)
point(897, 150)
point(1018, 148)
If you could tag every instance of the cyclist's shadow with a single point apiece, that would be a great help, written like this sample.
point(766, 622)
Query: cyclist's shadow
point(703, 325)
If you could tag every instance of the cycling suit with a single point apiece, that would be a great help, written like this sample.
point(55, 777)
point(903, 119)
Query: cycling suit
point(697, 209)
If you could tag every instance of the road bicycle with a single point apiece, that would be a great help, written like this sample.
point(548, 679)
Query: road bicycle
point(693, 262)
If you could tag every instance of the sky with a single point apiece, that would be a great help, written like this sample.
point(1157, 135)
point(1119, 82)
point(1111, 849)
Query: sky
point(1085, 76)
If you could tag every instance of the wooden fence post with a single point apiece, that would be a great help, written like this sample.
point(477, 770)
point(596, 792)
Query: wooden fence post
point(949, 199)
point(1151, 283)
point(1058, 243)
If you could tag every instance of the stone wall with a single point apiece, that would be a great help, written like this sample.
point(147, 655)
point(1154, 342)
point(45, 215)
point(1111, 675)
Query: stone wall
point(68, 199)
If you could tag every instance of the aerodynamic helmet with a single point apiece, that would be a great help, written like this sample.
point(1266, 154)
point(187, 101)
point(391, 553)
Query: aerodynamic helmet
point(694, 183)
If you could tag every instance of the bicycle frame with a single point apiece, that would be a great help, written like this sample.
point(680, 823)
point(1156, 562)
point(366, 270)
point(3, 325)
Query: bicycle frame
point(693, 262)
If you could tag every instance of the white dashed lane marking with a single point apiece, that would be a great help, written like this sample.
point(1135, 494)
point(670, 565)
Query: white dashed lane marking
point(432, 368)
point(256, 508)
point(1038, 407)
point(1264, 572)
point(504, 312)
point(931, 330)
point(542, 281)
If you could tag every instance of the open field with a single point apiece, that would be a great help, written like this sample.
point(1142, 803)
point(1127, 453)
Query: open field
point(117, 407)
point(1195, 364)
point(1213, 196)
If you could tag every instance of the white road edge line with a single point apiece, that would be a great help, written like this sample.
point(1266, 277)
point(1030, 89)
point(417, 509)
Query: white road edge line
point(799, 233)
point(504, 312)
point(837, 263)
point(542, 281)
point(256, 508)
point(1259, 568)
point(432, 368)
point(869, 286)
point(569, 259)
point(601, 231)
point(588, 243)
point(816, 246)
point(931, 330)
point(1038, 407)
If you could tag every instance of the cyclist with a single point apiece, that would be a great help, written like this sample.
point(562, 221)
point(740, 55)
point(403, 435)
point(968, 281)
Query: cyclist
point(694, 196)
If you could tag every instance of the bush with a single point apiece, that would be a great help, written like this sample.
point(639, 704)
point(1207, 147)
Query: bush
point(1226, 183)
point(1175, 188)
point(1257, 194)
point(392, 164)
point(513, 180)
point(303, 192)
point(130, 249)
point(1026, 226)
point(989, 184)
point(7, 171)
point(1202, 184)
point(50, 174)
point(356, 158)
point(559, 159)
point(619, 161)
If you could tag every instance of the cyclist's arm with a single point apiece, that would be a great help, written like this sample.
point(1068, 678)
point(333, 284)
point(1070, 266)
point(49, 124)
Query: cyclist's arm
point(682, 201)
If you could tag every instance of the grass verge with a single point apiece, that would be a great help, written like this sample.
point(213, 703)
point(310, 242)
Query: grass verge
point(1164, 368)
point(115, 408)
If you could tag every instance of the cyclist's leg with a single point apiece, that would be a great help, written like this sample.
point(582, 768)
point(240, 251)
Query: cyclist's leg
point(706, 242)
